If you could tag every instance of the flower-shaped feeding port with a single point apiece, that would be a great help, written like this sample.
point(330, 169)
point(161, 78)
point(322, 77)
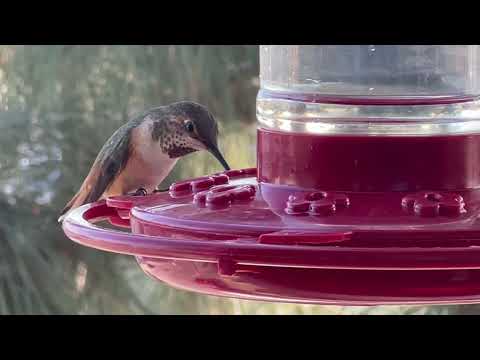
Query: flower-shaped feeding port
point(432, 204)
point(193, 186)
point(215, 191)
point(318, 203)
point(223, 196)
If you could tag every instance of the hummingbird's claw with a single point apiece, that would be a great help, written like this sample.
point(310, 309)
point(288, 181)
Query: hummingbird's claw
point(160, 190)
point(140, 192)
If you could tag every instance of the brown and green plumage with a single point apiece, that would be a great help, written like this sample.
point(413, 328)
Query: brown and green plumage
point(141, 153)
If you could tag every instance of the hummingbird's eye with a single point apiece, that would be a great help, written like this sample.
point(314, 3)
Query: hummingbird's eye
point(189, 126)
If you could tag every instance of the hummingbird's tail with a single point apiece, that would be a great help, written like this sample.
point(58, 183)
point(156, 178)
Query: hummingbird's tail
point(76, 201)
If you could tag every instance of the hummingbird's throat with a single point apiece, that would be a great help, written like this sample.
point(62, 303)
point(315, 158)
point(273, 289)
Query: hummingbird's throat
point(184, 147)
point(179, 151)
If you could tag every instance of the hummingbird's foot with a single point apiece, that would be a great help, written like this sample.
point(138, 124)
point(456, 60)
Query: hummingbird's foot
point(140, 192)
point(160, 190)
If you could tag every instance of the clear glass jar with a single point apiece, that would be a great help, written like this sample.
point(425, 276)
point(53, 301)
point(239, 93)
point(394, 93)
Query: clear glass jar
point(369, 118)
point(370, 89)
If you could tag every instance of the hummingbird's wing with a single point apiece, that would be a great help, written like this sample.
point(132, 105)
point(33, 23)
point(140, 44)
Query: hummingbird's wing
point(108, 168)
point(110, 161)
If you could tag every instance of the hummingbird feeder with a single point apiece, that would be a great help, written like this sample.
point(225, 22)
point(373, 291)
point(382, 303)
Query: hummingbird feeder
point(366, 190)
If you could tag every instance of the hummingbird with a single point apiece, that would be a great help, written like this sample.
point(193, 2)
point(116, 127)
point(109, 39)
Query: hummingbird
point(142, 152)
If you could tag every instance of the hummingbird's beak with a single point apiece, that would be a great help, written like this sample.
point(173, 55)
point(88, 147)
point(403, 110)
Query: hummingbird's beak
point(218, 155)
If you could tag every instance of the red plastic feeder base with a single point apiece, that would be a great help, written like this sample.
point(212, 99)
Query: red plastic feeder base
point(229, 235)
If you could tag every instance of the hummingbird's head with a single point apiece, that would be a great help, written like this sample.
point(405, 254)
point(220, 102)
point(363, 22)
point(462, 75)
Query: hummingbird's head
point(193, 128)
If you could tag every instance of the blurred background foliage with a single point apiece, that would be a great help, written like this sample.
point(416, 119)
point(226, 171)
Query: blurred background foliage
point(58, 105)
